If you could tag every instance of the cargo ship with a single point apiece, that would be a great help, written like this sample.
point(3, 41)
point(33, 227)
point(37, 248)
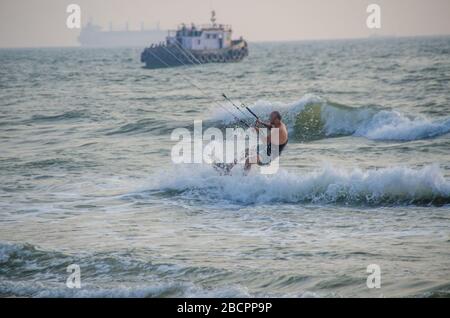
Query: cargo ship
point(193, 45)
point(94, 36)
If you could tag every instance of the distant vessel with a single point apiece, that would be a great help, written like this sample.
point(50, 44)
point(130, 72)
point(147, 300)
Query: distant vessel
point(93, 35)
point(211, 43)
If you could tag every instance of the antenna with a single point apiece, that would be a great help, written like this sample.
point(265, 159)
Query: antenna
point(213, 17)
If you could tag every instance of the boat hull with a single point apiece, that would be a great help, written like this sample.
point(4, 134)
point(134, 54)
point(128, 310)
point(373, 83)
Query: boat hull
point(162, 56)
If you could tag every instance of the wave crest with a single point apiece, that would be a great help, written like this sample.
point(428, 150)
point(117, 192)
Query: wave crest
point(144, 278)
point(329, 185)
point(313, 118)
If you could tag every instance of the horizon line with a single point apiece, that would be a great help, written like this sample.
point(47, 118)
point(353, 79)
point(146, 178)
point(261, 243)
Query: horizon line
point(369, 37)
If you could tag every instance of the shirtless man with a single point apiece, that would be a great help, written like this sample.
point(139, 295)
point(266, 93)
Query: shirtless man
point(275, 122)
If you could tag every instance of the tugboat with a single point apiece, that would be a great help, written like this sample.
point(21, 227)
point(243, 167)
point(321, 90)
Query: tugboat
point(193, 45)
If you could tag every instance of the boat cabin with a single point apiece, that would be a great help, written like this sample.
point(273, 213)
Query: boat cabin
point(207, 37)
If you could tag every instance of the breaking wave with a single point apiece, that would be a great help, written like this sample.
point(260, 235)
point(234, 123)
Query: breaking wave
point(29, 271)
point(313, 117)
point(329, 185)
point(46, 275)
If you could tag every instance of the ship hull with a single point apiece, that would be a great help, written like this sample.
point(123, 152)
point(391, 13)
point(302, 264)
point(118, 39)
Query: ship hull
point(163, 56)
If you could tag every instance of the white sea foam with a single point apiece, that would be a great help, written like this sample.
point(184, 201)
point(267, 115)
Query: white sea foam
point(46, 276)
point(396, 185)
point(168, 289)
point(392, 125)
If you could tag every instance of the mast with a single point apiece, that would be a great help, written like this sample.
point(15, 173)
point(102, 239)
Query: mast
point(213, 18)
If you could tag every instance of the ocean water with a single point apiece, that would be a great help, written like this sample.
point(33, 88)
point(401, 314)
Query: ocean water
point(86, 175)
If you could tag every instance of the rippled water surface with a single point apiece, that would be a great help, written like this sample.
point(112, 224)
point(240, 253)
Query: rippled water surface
point(86, 175)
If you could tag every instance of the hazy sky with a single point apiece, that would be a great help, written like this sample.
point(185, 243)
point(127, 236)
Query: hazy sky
point(43, 22)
